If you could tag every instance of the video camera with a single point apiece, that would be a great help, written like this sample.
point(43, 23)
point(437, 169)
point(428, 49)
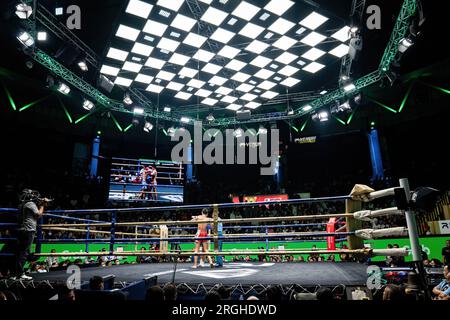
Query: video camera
point(28, 195)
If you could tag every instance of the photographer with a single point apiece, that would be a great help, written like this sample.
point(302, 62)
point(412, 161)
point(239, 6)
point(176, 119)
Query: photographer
point(30, 210)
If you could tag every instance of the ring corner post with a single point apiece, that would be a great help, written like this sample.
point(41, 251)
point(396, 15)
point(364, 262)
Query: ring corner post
point(216, 227)
point(354, 242)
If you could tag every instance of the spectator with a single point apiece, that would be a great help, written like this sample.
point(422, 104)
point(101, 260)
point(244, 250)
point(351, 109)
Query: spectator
point(66, 294)
point(212, 296)
point(446, 253)
point(252, 298)
point(96, 283)
point(324, 294)
point(273, 293)
point(224, 293)
point(393, 292)
point(442, 290)
point(3, 296)
point(170, 292)
point(155, 294)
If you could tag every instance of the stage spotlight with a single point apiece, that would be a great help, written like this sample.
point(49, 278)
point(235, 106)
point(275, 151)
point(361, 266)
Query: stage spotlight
point(83, 65)
point(29, 64)
point(63, 88)
point(88, 105)
point(323, 92)
point(344, 107)
point(171, 131)
point(138, 111)
point(185, 119)
point(354, 29)
point(405, 44)
point(210, 118)
point(167, 109)
point(26, 39)
point(42, 36)
point(127, 99)
point(349, 87)
point(307, 108)
point(262, 130)
point(321, 116)
point(238, 133)
point(148, 127)
point(290, 111)
point(23, 11)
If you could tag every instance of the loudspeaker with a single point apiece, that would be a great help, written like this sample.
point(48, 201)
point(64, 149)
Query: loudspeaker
point(243, 115)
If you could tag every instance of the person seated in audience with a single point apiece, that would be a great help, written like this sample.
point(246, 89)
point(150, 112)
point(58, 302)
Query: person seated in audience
point(212, 296)
point(51, 262)
point(155, 294)
point(66, 294)
point(96, 283)
point(442, 290)
point(393, 292)
point(324, 294)
point(170, 292)
point(273, 293)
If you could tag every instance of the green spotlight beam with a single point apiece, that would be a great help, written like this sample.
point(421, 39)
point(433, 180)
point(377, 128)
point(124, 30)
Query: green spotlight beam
point(10, 98)
point(25, 107)
point(69, 117)
point(128, 128)
point(304, 125)
point(165, 132)
point(340, 120)
point(438, 88)
point(349, 120)
point(116, 123)
point(83, 118)
point(408, 93)
point(382, 105)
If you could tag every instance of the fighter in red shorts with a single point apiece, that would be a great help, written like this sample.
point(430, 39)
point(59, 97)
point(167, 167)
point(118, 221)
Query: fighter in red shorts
point(152, 187)
point(202, 232)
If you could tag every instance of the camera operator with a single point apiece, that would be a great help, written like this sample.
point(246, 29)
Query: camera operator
point(30, 210)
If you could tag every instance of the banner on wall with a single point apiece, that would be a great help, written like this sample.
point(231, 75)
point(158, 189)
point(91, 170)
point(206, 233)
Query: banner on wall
point(444, 226)
point(264, 198)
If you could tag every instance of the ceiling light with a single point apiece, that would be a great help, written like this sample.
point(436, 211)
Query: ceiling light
point(222, 35)
point(281, 26)
point(313, 67)
point(246, 11)
point(148, 127)
point(127, 33)
point(290, 82)
point(183, 95)
point(233, 107)
point(313, 39)
point(279, 6)
point(209, 101)
point(204, 55)
point(164, 75)
point(224, 91)
point(142, 49)
point(188, 72)
point(235, 65)
point(203, 93)
point(26, 39)
point(342, 34)
point(284, 43)
point(214, 16)
point(117, 54)
point(245, 87)
point(123, 82)
point(167, 109)
point(155, 28)
point(249, 97)
point(241, 77)
point(260, 61)
point(88, 105)
point(138, 111)
point(238, 132)
point(307, 108)
point(229, 52)
point(196, 83)
point(340, 50)
point(313, 54)
point(155, 63)
point(154, 88)
point(218, 80)
point(262, 130)
point(229, 99)
point(173, 5)
point(288, 71)
point(264, 74)
point(253, 105)
point(323, 92)
point(210, 118)
point(168, 44)
point(142, 78)
point(251, 30)
point(267, 85)
point(179, 59)
point(269, 94)
point(290, 111)
point(183, 23)
point(175, 86)
point(257, 46)
point(83, 65)
point(127, 99)
point(313, 21)
point(195, 40)
point(404, 45)
point(286, 58)
point(321, 116)
point(42, 36)
point(131, 66)
point(139, 8)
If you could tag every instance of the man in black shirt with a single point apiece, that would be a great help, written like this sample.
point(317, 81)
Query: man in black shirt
point(446, 253)
point(30, 210)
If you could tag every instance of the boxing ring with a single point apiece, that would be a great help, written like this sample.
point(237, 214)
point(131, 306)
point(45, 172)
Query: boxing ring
point(339, 228)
